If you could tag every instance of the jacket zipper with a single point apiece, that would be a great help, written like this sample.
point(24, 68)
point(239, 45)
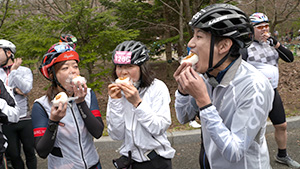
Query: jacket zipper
point(79, 140)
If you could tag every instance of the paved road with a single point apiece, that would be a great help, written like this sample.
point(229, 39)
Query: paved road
point(187, 147)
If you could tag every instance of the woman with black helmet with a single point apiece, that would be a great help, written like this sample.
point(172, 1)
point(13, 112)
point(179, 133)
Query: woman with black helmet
point(230, 96)
point(65, 133)
point(138, 112)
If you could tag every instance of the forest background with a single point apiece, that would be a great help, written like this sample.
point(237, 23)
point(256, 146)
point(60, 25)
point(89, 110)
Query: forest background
point(99, 25)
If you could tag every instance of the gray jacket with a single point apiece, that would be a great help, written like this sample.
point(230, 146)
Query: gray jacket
point(234, 126)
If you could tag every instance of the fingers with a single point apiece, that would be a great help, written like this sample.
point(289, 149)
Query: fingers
point(57, 113)
point(181, 68)
point(114, 91)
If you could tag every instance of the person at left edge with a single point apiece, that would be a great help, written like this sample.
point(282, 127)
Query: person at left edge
point(9, 113)
point(18, 78)
point(65, 133)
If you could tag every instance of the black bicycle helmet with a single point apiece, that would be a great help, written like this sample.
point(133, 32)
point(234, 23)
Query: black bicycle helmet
point(130, 52)
point(224, 20)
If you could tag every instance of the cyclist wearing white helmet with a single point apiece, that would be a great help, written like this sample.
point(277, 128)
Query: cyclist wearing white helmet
point(264, 54)
point(20, 79)
point(138, 112)
point(230, 96)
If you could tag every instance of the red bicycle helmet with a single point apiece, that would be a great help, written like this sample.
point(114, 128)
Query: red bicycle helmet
point(57, 53)
point(72, 40)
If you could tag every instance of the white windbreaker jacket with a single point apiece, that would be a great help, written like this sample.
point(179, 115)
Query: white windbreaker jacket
point(234, 127)
point(142, 129)
point(21, 78)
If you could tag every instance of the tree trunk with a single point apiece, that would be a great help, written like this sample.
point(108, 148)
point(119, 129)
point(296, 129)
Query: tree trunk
point(167, 35)
point(90, 67)
point(188, 15)
point(181, 40)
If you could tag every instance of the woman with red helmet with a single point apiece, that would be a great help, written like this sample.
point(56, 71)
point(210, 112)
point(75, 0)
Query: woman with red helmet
point(65, 133)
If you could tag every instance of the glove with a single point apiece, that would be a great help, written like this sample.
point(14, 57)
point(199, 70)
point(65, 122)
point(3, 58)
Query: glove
point(272, 41)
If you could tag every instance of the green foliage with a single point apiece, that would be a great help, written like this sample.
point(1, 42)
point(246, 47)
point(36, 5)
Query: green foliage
point(96, 30)
point(100, 77)
point(138, 15)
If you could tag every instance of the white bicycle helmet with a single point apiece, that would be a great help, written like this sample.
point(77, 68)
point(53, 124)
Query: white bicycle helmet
point(5, 44)
point(258, 18)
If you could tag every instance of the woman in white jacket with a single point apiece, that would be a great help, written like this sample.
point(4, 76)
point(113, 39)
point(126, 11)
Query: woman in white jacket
point(138, 111)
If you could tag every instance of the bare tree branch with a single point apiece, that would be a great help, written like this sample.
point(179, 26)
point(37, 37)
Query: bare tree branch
point(170, 7)
point(4, 14)
point(289, 13)
point(160, 24)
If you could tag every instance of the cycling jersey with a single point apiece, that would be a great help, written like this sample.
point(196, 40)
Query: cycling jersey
point(73, 147)
point(265, 58)
point(142, 129)
point(234, 126)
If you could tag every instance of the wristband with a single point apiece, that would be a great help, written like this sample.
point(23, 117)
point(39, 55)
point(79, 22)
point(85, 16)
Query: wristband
point(52, 125)
point(15, 91)
point(182, 93)
point(206, 106)
point(138, 104)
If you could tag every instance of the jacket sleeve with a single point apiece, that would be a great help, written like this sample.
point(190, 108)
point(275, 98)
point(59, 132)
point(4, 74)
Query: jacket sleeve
point(8, 105)
point(253, 103)
point(155, 115)
point(115, 118)
point(91, 116)
point(285, 54)
point(185, 107)
point(21, 79)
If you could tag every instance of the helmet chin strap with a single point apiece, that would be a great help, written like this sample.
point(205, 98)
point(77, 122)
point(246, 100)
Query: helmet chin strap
point(211, 56)
point(56, 81)
point(7, 58)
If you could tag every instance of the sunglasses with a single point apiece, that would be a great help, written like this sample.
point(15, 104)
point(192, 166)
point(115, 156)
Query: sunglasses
point(262, 27)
